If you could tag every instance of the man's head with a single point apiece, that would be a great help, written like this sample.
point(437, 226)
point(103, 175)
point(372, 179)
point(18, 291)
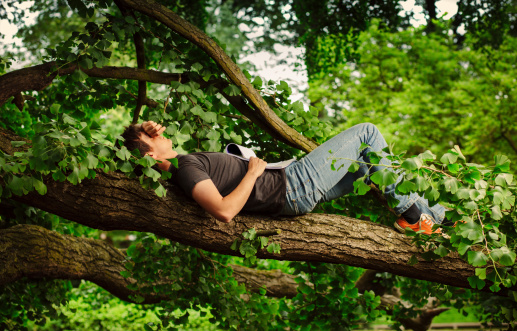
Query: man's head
point(156, 146)
point(132, 139)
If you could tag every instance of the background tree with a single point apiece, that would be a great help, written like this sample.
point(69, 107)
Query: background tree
point(65, 181)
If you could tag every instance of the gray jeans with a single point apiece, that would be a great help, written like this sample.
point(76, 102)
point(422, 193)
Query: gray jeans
point(311, 180)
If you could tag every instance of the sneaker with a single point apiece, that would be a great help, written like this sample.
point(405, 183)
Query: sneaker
point(425, 223)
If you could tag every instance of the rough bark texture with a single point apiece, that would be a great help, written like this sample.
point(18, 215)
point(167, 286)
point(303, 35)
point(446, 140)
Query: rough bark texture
point(36, 253)
point(112, 201)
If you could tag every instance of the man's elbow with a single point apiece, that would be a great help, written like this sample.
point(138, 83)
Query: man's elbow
point(224, 217)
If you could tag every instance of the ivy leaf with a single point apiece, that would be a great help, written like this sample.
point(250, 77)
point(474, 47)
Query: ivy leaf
point(125, 166)
point(463, 193)
point(39, 186)
point(463, 248)
point(412, 260)
point(273, 248)
point(247, 249)
point(504, 179)
point(54, 109)
point(502, 163)
point(471, 205)
point(17, 144)
point(166, 175)
point(496, 212)
point(472, 177)
point(481, 273)
point(123, 153)
point(432, 194)
point(477, 194)
point(150, 172)
point(421, 183)
point(449, 158)
point(58, 176)
point(477, 259)
point(91, 161)
point(504, 256)
point(354, 167)
point(472, 231)
point(460, 154)
point(235, 245)
point(363, 147)
point(74, 176)
point(257, 82)
point(475, 282)
point(160, 191)
point(375, 158)
point(146, 161)
point(360, 187)
point(174, 162)
point(451, 184)
point(232, 90)
point(412, 163)
point(453, 168)
point(384, 177)
point(427, 155)
point(441, 251)
point(406, 186)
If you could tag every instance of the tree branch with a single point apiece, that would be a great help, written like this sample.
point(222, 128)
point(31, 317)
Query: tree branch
point(37, 253)
point(38, 77)
point(140, 61)
point(231, 70)
point(112, 201)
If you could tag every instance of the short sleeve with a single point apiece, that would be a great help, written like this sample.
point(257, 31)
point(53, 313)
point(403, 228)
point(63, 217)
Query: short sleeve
point(190, 171)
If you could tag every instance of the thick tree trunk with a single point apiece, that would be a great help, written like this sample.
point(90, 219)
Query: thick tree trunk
point(37, 253)
point(114, 202)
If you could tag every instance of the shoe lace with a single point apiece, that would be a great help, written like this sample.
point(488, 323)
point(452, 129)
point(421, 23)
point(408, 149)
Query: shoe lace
point(426, 219)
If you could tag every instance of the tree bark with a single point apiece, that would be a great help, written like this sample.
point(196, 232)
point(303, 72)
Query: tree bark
point(37, 253)
point(114, 202)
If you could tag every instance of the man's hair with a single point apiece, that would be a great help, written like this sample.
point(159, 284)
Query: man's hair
point(132, 139)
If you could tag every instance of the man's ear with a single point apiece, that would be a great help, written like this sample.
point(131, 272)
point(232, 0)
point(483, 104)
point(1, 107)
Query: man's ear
point(151, 154)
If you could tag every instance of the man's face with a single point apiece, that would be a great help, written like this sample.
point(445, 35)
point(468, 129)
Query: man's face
point(160, 146)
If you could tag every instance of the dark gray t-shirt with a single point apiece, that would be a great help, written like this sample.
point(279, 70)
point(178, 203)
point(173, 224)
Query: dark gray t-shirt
point(268, 195)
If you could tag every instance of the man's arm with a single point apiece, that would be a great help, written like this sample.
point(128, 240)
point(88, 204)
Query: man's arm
point(225, 208)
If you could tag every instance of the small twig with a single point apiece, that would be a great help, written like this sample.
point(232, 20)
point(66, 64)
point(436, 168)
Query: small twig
point(239, 117)
point(269, 233)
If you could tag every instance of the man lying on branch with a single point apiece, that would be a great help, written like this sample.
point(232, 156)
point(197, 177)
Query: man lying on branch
point(224, 185)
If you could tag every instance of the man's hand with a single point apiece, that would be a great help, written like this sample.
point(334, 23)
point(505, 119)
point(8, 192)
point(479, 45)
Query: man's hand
point(256, 166)
point(153, 129)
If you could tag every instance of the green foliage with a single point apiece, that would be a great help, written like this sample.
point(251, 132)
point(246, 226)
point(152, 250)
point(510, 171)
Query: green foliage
point(92, 308)
point(481, 202)
point(251, 244)
point(425, 100)
point(419, 99)
point(25, 302)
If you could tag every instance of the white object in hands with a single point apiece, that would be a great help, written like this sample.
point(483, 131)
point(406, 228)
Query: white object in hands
point(245, 153)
